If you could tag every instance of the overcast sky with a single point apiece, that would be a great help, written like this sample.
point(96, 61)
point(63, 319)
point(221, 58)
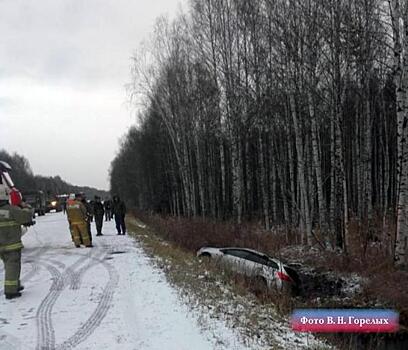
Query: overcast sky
point(63, 68)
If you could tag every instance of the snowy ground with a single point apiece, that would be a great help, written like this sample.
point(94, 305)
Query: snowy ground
point(106, 297)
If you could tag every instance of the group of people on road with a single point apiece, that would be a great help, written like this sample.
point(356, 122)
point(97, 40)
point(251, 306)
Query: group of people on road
point(81, 213)
point(15, 213)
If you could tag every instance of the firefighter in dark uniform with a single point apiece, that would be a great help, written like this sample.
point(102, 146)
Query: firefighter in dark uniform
point(119, 212)
point(89, 213)
point(98, 212)
point(11, 219)
point(107, 205)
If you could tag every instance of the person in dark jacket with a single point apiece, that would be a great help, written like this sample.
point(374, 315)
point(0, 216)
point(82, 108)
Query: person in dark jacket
point(119, 212)
point(107, 205)
point(98, 212)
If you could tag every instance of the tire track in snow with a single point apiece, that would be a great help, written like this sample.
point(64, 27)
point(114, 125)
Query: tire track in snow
point(45, 328)
point(77, 276)
point(99, 313)
point(30, 274)
point(68, 272)
point(35, 267)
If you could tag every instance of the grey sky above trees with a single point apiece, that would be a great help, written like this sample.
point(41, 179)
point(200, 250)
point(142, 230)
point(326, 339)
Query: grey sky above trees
point(63, 69)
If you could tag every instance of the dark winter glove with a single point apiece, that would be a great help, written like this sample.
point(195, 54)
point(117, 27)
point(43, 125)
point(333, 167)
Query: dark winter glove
point(29, 223)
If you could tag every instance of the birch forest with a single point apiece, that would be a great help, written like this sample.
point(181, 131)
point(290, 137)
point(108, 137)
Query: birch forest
point(289, 113)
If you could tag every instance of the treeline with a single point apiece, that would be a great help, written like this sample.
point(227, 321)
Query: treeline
point(292, 112)
point(25, 180)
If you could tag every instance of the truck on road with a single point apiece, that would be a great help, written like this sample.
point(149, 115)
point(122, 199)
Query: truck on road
point(37, 201)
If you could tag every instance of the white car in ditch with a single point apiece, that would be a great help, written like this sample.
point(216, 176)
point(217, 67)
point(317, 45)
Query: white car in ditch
point(269, 272)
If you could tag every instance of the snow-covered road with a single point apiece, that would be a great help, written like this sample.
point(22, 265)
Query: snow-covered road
point(106, 297)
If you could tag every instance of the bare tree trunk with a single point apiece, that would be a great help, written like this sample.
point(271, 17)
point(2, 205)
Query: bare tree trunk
point(333, 174)
point(368, 160)
point(301, 171)
point(321, 207)
point(291, 180)
point(248, 178)
point(346, 233)
point(274, 190)
point(236, 180)
point(401, 85)
point(191, 182)
point(223, 179)
point(200, 176)
point(264, 186)
point(283, 183)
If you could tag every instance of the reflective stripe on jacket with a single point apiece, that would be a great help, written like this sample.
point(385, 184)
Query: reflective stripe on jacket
point(11, 247)
point(11, 283)
point(9, 224)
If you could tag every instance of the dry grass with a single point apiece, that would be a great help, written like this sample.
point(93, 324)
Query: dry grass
point(366, 258)
point(218, 292)
point(192, 234)
point(385, 287)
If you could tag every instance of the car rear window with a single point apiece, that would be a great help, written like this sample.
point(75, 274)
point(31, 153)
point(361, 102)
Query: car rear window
point(236, 252)
point(256, 258)
point(273, 264)
point(259, 259)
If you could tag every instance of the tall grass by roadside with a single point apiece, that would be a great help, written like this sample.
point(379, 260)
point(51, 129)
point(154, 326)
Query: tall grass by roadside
point(368, 257)
point(221, 293)
point(368, 253)
point(384, 286)
point(194, 233)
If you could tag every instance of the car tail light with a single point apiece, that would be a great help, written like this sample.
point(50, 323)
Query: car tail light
point(283, 276)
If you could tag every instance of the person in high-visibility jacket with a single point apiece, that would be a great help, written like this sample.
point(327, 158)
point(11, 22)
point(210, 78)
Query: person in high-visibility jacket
point(77, 216)
point(11, 219)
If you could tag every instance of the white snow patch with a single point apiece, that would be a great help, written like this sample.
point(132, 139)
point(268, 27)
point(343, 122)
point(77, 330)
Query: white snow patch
point(107, 297)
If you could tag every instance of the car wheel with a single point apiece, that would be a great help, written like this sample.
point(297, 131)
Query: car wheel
point(205, 257)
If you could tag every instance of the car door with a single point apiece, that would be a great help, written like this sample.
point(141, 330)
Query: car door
point(256, 264)
point(236, 259)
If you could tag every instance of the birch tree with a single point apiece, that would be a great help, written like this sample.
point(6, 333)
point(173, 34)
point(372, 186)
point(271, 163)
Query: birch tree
point(281, 112)
point(400, 38)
